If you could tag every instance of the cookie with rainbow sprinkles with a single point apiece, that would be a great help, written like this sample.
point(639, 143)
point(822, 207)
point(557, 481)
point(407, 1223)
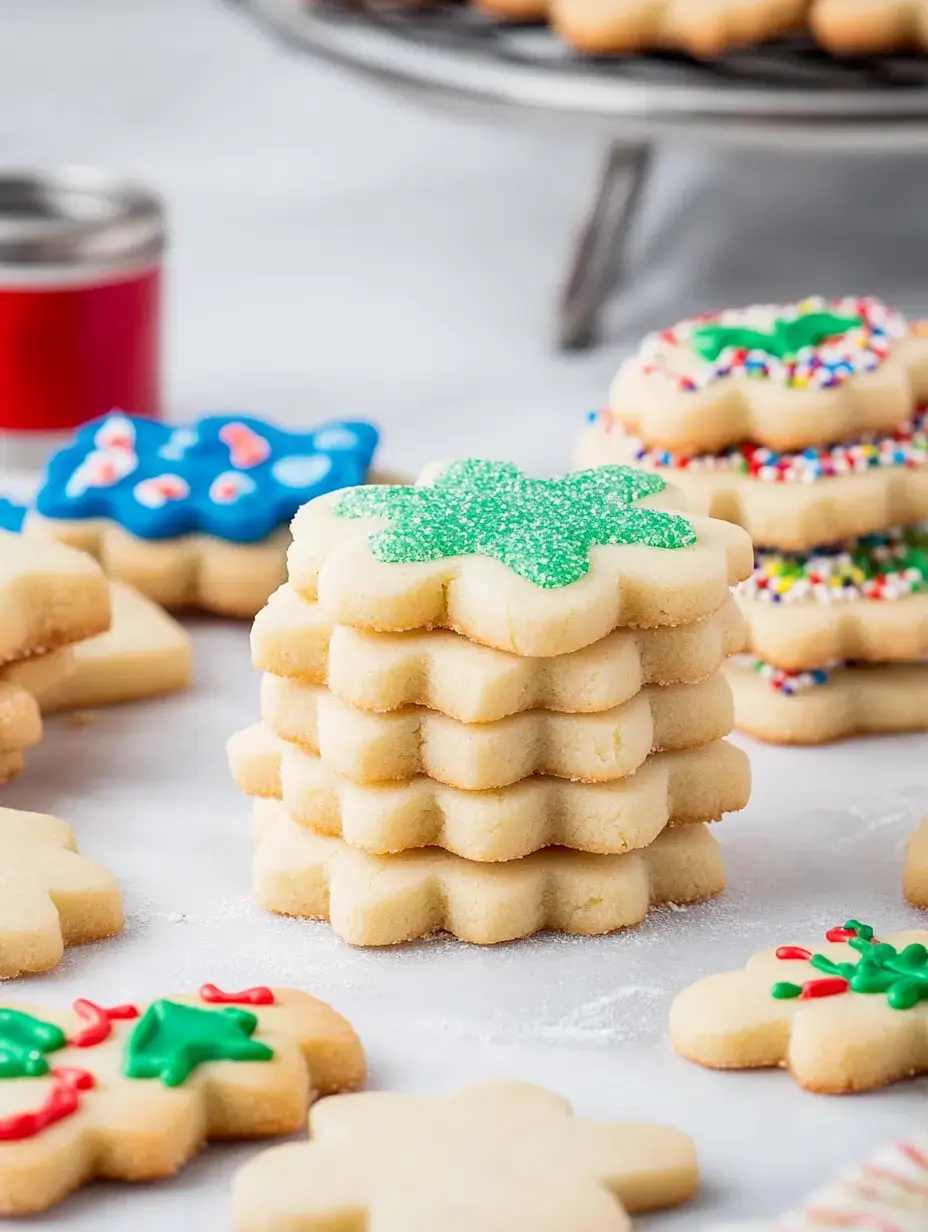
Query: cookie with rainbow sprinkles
point(194, 515)
point(844, 1015)
point(864, 600)
point(783, 376)
point(833, 702)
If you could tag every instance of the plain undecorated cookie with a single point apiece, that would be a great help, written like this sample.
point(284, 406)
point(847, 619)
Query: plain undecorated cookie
point(50, 596)
point(132, 1092)
point(804, 1007)
point(590, 748)
point(915, 875)
point(20, 723)
point(50, 897)
point(498, 1156)
point(854, 700)
point(382, 900)
point(476, 684)
point(537, 567)
point(670, 789)
point(145, 653)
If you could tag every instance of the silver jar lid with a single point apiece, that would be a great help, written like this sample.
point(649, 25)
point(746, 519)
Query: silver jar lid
point(76, 216)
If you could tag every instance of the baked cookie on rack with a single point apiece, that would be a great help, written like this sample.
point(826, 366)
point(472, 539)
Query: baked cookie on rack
point(701, 27)
point(869, 27)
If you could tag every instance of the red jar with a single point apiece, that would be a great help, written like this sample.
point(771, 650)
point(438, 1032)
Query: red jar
point(80, 289)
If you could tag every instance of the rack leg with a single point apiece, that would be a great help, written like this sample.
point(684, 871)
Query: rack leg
point(598, 250)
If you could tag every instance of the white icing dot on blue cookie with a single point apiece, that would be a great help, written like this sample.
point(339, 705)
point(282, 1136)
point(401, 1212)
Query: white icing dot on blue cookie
point(180, 440)
point(335, 438)
point(299, 471)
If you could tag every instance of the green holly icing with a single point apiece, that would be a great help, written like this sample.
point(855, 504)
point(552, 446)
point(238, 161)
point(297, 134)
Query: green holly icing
point(786, 338)
point(171, 1040)
point(784, 991)
point(24, 1041)
point(901, 974)
point(542, 529)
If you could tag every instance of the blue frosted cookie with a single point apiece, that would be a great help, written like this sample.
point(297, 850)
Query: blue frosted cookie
point(12, 514)
point(230, 476)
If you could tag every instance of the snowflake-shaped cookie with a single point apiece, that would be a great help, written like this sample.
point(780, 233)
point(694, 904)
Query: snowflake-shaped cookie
point(849, 1015)
point(536, 566)
point(496, 1157)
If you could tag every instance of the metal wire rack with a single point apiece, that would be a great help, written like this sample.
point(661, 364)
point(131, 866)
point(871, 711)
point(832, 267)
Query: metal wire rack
point(788, 95)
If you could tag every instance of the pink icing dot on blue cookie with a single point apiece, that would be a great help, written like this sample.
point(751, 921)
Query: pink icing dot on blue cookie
point(233, 476)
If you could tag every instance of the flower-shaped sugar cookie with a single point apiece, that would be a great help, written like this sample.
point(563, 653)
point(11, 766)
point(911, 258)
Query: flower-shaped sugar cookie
point(785, 377)
point(499, 1157)
point(850, 1015)
point(534, 566)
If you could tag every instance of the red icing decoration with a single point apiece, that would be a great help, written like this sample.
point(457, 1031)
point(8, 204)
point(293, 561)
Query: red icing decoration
point(259, 995)
point(793, 951)
point(98, 1021)
point(62, 1101)
point(840, 934)
point(830, 987)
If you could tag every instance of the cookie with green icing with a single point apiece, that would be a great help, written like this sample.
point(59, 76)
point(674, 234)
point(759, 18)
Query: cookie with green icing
point(131, 1091)
point(535, 566)
point(844, 1014)
point(782, 376)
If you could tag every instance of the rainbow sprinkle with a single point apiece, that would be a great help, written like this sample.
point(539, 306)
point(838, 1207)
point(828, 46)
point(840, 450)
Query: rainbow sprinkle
point(860, 349)
point(885, 566)
point(791, 683)
point(906, 447)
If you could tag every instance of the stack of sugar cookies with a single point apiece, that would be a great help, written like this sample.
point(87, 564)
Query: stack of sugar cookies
point(803, 423)
point(493, 705)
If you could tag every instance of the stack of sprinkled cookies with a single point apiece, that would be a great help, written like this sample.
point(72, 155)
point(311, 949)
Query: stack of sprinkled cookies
point(804, 424)
point(493, 705)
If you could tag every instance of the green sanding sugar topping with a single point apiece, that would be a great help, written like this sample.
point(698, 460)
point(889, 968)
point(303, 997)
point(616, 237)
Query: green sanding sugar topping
point(542, 529)
point(24, 1041)
point(787, 337)
point(172, 1039)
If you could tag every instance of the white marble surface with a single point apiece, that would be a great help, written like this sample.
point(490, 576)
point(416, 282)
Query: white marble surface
point(337, 253)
